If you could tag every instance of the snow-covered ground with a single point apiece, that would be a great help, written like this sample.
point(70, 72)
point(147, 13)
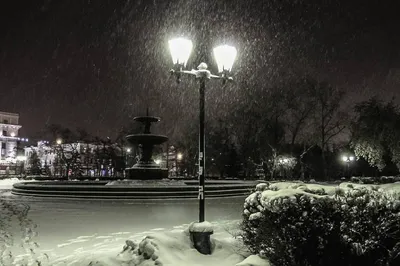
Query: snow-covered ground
point(7, 183)
point(94, 232)
point(72, 232)
point(167, 247)
point(170, 247)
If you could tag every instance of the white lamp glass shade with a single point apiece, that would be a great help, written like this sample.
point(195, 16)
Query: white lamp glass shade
point(180, 49)
point(344, 158)
point(225, 56)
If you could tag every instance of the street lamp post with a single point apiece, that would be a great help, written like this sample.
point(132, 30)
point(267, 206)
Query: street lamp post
point(127, 154)
point(225, 56)
point(348, 160)
point(58, 154)
point(179, 157)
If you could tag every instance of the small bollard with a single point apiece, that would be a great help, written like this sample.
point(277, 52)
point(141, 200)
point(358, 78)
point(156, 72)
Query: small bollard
point(200, 236)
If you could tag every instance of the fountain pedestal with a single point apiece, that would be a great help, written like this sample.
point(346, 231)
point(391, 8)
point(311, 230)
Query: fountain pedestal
point(146, 167)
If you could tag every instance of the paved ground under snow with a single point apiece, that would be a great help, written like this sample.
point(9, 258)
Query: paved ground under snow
point(62, 223)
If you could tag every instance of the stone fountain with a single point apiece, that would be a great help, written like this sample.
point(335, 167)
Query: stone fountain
point(146, 168)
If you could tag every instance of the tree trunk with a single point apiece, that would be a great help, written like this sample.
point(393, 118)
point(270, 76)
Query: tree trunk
point(323, 159)
point(324, 169)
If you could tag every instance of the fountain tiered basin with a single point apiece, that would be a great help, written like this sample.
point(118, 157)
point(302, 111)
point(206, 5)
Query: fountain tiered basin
point(146, 168)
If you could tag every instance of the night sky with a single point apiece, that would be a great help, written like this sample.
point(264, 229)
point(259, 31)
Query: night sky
point(96, 64)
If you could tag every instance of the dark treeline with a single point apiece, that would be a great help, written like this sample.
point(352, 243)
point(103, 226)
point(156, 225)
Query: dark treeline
point(301, 131)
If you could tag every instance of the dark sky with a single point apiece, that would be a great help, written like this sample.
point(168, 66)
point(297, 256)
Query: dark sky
point(96, 64)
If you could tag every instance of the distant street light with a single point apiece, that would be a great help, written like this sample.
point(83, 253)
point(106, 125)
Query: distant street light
point(128, 151)
point(59, 142)
point(179, 156)
point(225, 56)
point(347, 159)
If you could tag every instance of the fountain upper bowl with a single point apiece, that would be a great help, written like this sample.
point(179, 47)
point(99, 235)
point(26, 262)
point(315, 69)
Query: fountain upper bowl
point(144, 119)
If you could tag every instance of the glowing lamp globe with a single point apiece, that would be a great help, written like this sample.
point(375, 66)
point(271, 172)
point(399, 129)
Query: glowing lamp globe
point(180, 49)
point(345, 158)
point(179, 156)
point(225, 56)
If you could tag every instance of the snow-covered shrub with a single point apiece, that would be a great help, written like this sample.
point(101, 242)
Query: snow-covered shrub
point(144, 253)
point(375, 180)
point(307, 226)
point(291, 228)
point(370, 225)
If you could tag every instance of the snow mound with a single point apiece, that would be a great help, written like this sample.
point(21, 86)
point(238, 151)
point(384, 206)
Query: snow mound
point(167, 248)
point(254, 260)
point(204, 227)
point(174, 249)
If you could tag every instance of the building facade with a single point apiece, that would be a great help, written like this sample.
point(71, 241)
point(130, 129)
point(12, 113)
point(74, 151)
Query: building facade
point(11, 150)
point(9, 127)
point(67, 159)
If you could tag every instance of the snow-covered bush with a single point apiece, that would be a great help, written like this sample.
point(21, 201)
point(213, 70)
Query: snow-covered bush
point(375, 180)
point(312, 226)
point(370, 225)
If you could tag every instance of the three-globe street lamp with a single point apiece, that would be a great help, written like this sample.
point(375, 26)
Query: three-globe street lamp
point(347, 159)
point(225, 56)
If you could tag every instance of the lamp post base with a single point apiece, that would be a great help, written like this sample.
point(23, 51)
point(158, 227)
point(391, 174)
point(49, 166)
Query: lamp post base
point(201, 242)
point(200, 237)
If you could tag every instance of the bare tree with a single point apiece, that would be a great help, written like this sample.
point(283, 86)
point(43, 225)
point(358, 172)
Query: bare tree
point(328, 120)
point(260, 127)
point(69, 155)
point(300, 105)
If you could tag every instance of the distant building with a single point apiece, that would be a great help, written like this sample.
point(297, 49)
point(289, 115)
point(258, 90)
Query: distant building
point(92, 159)
point(9, 126)
point(10, 144)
